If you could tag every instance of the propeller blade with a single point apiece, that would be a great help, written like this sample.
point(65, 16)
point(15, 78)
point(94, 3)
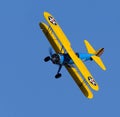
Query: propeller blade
point(50, 51)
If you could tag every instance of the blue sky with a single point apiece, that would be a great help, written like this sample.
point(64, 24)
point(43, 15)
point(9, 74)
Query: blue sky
point(27, 84)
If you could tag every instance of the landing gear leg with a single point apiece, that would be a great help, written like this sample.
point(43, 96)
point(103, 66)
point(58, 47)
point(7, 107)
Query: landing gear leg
point(58, 75)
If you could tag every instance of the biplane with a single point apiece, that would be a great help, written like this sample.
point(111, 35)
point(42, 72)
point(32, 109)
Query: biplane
point(73, 61)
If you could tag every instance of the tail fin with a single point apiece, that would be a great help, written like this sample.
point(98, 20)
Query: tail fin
point(96, 54)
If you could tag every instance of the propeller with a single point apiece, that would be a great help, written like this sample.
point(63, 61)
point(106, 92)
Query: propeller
point(55, 59)
point(46, 59)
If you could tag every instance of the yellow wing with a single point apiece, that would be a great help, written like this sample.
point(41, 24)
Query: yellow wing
point(80, 82)
point(75, 75)
point(66, 44)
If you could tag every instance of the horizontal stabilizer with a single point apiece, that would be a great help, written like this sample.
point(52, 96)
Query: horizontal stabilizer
point(98, 61)
point(96, 54)
point(90, 49)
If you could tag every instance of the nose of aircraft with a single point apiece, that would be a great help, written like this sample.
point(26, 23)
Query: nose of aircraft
point(55, 58)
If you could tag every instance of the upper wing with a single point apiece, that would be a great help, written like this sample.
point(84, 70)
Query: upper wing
point(66, 44)
point(57, 47)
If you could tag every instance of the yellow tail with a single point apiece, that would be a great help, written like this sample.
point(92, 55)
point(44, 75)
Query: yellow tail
point(96, 54)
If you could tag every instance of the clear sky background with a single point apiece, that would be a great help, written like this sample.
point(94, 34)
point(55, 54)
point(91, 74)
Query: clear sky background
point(27, 84)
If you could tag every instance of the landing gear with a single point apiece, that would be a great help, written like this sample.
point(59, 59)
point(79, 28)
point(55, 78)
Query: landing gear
point(54, 58)
point(58, 75)
point(47, 59)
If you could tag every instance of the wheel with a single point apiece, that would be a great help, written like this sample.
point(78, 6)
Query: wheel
point(58, 75)
point(47, 59)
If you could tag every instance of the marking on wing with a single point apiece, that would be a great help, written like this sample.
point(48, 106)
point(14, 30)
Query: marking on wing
point(52, 20)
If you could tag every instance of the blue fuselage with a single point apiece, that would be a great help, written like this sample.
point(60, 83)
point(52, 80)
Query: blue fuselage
point(65, 58)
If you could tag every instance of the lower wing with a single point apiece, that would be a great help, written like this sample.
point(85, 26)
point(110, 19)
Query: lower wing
point(51, 37)
point(80, 82)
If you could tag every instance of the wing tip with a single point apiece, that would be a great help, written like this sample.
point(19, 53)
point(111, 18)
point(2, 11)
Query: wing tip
point(46, 13)
point(104, 68)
